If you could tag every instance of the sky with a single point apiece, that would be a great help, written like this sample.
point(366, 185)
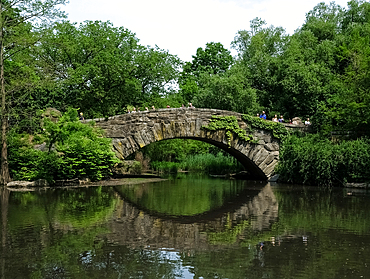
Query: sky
point(182, 26)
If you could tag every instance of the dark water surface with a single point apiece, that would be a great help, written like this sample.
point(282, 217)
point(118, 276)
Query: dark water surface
point(193, 227)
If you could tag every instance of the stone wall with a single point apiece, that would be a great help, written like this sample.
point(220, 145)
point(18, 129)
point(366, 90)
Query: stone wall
point(130, 132)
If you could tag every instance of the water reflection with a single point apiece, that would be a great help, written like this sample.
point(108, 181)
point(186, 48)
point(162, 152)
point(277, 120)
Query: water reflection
point(242, 230)
point(254, 208)
point(4, 193)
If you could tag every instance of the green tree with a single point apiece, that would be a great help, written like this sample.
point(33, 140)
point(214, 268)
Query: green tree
point(101, 69)
point(14, 26)
point(213, 59)
point(348, 108)
point(82, 149)
point(229, 91)
point(259, 50)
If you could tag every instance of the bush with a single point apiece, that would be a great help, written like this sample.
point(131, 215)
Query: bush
point(75, 150)
point(167, 167)
point(210, 163)
point(316, 161)
point(136, 168)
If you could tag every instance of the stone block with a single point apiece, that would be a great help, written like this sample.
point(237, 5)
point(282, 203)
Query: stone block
point(260, 156)
point(198, 126)
point(269, 170)
point(272, 146)
point(254, 151)
point(134, 145)
point(158, 131)
point(139, 140)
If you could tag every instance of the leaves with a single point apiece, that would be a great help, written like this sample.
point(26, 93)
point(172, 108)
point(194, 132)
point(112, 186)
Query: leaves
point(230, 125)
point(75, 150)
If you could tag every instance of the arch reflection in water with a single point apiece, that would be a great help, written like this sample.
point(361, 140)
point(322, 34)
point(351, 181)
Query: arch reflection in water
point(223, 216)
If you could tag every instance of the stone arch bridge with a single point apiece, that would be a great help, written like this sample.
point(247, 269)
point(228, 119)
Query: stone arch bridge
point(130, 132)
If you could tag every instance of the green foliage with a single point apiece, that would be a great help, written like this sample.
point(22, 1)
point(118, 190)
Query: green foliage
point(210, 163)
point(165, 166)
point(321, 71)
point(27, 163)
point(19, 37)
point(81, 147)
point(136, 168)
point(313, 160)
point(101, 69)
point(201, 163)
point(229, 91)
point(213, 60)
point(175, 150)
point(259, 50)
point(75, 150)
point(230, 125)
point(278, 130)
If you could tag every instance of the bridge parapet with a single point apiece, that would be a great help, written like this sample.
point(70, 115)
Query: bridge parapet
point(130, 132)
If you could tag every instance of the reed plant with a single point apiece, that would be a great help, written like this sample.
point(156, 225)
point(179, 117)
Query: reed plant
point(313, 160)
point(210, 163)
point(201, 163)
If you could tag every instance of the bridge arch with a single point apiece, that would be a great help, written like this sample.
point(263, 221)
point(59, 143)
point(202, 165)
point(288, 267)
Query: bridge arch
point(130, 132)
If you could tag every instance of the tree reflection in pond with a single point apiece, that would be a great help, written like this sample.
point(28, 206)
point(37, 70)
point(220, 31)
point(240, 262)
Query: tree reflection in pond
point(277, 232)
point(176, 198)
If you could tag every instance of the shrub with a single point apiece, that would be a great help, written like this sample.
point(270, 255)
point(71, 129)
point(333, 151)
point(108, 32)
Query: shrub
point(210, 163)
point(317, 161)
point(75, 150)
point(167, 167)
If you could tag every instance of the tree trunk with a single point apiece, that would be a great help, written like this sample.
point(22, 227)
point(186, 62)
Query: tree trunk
point(4, 174)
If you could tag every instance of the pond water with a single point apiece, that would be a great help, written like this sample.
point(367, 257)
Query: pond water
point(187, 227)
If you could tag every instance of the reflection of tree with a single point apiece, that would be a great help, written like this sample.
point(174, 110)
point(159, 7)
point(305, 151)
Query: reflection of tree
point(188, 197)
point(230, 248)
point(55, 231)
point(4, 193)
point(84, 208)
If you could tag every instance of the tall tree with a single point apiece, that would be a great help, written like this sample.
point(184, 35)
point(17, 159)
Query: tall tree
point(213, 59)
point(101, 69)
point(14, 21)
point(259, 49)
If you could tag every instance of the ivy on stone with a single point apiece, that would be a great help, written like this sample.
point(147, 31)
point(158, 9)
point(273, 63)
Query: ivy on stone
point(230, 125)
point(278, 130)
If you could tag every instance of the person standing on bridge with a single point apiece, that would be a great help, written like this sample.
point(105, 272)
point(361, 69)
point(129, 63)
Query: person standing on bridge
point(81, 116)
point(263, 115)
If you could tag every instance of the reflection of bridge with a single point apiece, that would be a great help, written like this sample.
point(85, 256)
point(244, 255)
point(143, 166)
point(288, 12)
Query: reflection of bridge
point(136, 130)
point(133, 227)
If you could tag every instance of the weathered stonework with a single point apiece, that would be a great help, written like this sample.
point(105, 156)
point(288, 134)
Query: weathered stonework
point(131, 132)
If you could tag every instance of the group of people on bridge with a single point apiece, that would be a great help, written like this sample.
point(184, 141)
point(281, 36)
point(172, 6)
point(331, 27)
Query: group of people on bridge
point(281, 119)
point(134, 110)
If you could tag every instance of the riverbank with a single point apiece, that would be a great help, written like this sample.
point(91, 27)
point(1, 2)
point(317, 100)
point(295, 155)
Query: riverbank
point(23, 186)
